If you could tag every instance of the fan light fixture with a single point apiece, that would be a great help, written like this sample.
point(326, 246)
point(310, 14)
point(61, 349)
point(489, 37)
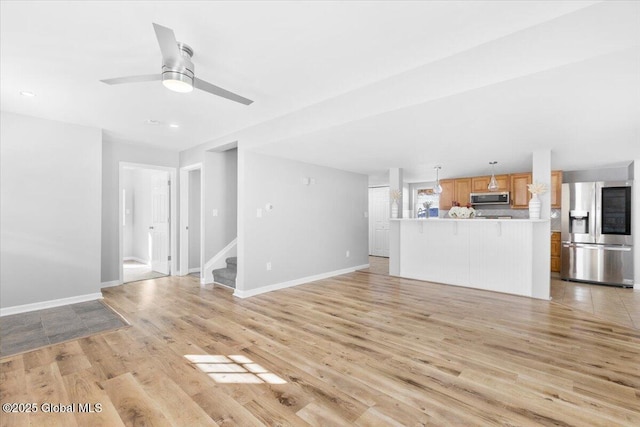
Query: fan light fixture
point(493, 184)
point(438, 188)
point(177, 82)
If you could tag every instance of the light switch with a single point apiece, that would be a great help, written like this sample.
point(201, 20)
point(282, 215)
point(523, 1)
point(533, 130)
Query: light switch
point(215, 212)
point(259, 213)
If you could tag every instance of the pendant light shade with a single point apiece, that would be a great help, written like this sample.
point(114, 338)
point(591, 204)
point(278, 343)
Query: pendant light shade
point(493, 184)
point(438, 188)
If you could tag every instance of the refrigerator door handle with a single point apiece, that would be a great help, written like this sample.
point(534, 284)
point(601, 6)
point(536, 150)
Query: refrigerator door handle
point(618, 248)
point(597, 247)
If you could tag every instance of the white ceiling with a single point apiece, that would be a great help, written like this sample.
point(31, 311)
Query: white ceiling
point(361, 86)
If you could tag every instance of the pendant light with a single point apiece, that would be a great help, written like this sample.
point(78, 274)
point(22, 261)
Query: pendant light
point(438, 188)
point(493, 184)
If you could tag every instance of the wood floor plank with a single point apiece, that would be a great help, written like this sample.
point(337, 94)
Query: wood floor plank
point(83, 387)
point(133, 404)
point(358, 349)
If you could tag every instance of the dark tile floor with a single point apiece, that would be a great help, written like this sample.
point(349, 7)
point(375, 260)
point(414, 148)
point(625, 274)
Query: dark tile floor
point(28, 331)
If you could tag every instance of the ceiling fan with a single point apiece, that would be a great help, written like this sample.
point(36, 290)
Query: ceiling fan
point(177, 69)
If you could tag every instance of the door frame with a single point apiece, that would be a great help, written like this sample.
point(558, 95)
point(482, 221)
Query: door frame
point(184, 218)
point(173, 248)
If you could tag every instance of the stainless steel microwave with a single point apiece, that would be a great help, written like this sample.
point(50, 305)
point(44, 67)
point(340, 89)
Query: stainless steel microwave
point(496, 198)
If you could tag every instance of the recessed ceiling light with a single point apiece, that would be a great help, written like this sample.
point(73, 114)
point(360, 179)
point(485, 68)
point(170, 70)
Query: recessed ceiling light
point(27, 94)
point(152, 122)
point(174, 125)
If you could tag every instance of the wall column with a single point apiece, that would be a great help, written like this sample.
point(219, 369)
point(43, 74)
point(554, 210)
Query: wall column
point(396, 183)
point(542, 173)
point(542, 267)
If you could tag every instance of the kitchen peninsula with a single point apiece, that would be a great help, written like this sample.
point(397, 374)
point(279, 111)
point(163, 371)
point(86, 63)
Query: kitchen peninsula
point(502, 255)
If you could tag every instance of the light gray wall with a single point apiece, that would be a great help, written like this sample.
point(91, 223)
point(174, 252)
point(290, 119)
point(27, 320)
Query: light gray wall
point(310, 227)
point(50, 216)
point(194, 218)
point(220, 172)
point(113, 152)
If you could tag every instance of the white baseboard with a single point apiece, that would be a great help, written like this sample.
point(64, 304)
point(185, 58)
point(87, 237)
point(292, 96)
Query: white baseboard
point(194, 270)
point(48, 304)
point(636, 286)
point(110, 283)
point(252, 292)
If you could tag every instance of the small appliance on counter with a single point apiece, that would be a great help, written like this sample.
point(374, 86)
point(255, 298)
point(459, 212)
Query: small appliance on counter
point(597, 240)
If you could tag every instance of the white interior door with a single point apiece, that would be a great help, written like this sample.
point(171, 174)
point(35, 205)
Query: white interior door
point(159, 228)
point(379, 221)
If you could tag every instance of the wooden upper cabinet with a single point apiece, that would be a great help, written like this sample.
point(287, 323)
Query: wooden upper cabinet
point(462, 191)
point(480, 184)
point(448, 193)
point(556, 189)
point(520, 195)
point(459, 190)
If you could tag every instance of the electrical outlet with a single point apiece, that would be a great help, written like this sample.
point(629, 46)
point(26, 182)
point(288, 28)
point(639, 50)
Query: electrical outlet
point(269, 266)
point(348, 254)
point(259, 213)
point(215, 212)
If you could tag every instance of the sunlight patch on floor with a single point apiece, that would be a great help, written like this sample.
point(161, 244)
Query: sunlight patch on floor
point(234, 369)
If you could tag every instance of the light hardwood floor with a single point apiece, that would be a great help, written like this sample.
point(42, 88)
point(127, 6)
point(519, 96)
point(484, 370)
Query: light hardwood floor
point(359, 349)
point(611, 303)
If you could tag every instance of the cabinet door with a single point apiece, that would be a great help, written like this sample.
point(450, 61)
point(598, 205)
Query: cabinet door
point(480, 184)
point(555, 244)
point(448, 194)
point(463, 191)
point(504, 182)
point(520, 195)
point(556, 189)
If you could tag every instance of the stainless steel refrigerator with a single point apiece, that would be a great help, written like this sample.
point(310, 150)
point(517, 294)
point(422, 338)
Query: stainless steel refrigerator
point(597, 240)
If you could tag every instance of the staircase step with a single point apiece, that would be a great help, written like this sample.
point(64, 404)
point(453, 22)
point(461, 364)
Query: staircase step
point(232, 261)
point(225, 276)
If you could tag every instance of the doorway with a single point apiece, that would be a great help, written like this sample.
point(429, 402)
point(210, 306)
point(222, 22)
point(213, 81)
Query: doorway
point(191, 221)
point(146, 243)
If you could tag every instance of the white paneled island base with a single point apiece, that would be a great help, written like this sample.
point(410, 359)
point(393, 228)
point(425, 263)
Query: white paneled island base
point(508, 255)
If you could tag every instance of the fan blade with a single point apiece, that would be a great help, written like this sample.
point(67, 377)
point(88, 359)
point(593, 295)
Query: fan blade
point(208, 87)
point(133, 79)
point(168, 43)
